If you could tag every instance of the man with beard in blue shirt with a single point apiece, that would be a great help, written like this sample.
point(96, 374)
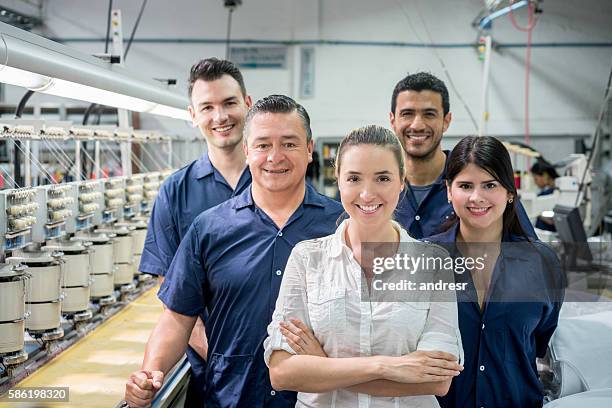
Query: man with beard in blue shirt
point(420, 114)
point(219, 104)
point(231, 262)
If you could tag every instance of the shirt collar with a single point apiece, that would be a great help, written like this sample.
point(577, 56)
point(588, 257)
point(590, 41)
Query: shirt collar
point(448, 236)
point(244, 199)
point(442, 178)
point(311, 197)
point(338, 241)
point(203, 167)
point(508, 250)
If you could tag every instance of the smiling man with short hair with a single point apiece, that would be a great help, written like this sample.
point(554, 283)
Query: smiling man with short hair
point(218, 106)
point(232, 259)
point(420, 115)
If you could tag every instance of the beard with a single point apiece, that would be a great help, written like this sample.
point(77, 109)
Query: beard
point(423, 156)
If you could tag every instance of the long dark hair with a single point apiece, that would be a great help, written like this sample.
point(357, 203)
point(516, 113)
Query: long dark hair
point(491, 155)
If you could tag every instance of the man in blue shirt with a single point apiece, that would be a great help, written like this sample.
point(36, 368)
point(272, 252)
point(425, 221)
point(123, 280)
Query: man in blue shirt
point(231, 263)
point(219, 104)
point(420, 114)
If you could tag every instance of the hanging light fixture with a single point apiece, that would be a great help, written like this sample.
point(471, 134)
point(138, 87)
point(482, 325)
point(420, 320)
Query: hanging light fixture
point(33, 62)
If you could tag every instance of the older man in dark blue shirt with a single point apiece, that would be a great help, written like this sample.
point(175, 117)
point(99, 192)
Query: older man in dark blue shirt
point(420, 114)
point(231, 263)
point(219, 104)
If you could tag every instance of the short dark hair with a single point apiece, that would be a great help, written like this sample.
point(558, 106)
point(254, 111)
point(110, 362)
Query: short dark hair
point(541, 167)
point(211, 69)
point(278, 104)
point(421, 81)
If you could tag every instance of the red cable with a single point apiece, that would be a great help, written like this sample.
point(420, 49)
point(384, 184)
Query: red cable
point(531, 23)
point(527, 72)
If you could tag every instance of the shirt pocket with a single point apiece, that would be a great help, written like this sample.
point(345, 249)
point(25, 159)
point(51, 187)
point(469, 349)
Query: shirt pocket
point(408, 320)
point(327, 310)
point(230, 381)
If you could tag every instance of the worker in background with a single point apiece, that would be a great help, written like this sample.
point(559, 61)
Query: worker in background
point(420, 114)
point(544, 175)
point(218, 107)
point(231, 262)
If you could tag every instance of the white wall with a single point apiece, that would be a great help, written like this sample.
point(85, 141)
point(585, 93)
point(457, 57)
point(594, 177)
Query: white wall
point(354, 82)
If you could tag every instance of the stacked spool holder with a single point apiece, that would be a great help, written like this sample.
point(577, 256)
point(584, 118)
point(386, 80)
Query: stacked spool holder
point(102, 267)
point(13, 287)
point(77, 277)
point(44, 293)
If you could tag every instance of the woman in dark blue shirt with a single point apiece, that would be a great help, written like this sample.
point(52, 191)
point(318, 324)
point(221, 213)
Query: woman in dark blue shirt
point(511, 305)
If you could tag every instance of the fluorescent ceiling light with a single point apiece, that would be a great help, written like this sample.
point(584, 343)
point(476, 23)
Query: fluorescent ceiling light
point(171, 112)
point(72, 90)
point(19, 77)
point(36, 63)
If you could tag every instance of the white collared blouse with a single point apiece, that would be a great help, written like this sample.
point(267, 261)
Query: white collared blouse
point(322, 287)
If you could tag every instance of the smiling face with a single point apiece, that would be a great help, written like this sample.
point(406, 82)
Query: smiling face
point(218, 108)
point(419, 122)
point(370, 183)
point(478, 199)
point(277, 151)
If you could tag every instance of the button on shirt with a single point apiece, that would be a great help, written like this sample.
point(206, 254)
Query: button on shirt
point(322, 287)
point(227, 264)
point(501, 343)
point(427, 217)
point(182, 197)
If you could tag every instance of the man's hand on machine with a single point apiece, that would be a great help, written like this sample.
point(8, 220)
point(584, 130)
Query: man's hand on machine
point(141, 388)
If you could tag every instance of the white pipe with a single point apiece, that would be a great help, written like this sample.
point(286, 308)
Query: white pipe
point(97, 159)
point(28, 163)
point(77, 160)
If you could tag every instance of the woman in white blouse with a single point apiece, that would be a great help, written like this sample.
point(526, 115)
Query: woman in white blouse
point(365, 353)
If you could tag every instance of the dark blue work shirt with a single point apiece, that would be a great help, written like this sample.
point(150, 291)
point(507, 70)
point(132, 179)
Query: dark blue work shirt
point(183, 196)
point(519, 316)
point(231, 264)
point(428, 218)
point(539, 223)
point(546, 191)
